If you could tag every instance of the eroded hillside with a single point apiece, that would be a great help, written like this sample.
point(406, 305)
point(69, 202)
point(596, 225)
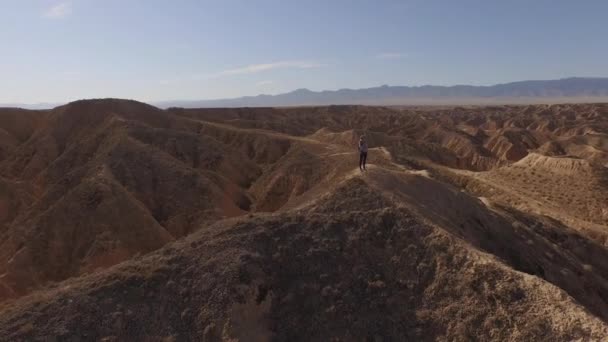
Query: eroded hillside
point(481, 222)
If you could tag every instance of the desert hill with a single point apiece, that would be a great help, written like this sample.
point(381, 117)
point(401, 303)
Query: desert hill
point(122, 221)
point(314, 274)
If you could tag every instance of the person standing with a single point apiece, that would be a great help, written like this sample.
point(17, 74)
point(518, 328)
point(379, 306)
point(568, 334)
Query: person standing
point(362, 153)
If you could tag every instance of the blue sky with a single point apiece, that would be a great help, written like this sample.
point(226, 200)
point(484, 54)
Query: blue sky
point(149, 50)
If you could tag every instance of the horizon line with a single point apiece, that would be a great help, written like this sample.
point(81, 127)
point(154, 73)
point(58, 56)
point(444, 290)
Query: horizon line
point(159, 102)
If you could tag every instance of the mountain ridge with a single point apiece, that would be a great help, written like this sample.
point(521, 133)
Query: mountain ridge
point(572, 89)
point(564, 90)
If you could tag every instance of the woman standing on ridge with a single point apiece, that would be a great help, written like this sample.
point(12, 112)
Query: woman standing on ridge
point(362, 153)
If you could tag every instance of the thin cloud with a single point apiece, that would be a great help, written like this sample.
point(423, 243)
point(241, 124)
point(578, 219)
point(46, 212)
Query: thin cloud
point(249, 69)
point(391, 55)
point(264, 83)
point(58, 11)
point(256, 68)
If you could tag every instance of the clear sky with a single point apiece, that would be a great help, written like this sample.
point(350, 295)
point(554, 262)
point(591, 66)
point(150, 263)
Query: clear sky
point(149, 50)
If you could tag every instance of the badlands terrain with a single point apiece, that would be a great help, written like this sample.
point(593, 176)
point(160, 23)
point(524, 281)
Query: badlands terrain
point(120, 221)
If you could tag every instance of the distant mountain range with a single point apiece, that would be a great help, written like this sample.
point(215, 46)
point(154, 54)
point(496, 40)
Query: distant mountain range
point(575, 89)
point(33, 106)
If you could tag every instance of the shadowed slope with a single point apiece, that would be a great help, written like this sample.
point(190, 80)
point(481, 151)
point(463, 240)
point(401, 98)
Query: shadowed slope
point(167, 177)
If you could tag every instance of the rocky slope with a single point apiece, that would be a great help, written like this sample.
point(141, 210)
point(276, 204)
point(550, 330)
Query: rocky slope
point(353, 266)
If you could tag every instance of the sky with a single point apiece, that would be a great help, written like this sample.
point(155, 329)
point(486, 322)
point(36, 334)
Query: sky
point(153, 50)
